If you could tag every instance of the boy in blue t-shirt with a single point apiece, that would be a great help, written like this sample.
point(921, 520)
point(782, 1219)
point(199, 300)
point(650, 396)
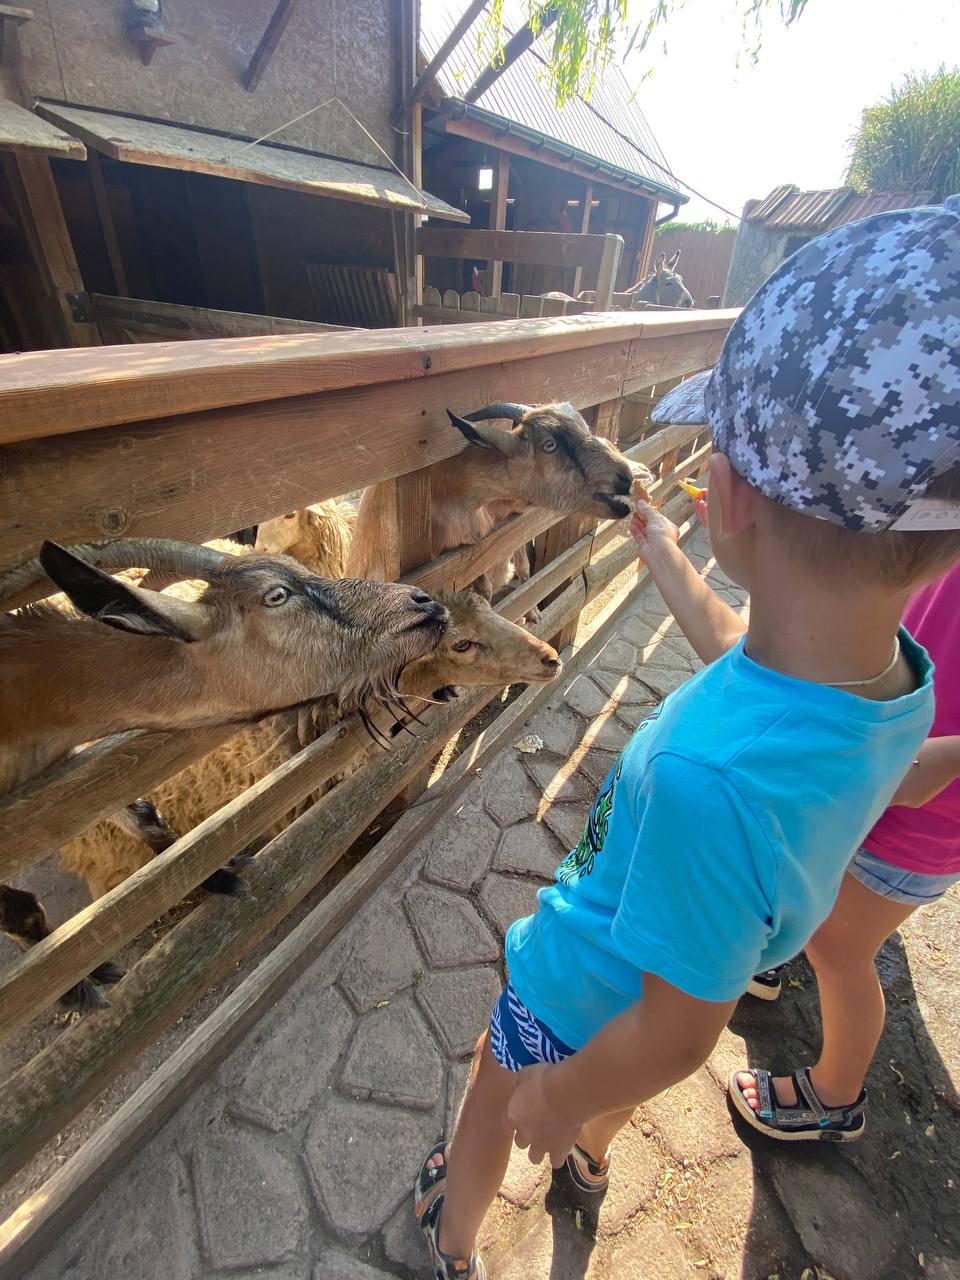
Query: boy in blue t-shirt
point(718, 841)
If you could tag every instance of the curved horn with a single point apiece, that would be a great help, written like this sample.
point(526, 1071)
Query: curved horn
point(27, 581)
point(502, 409)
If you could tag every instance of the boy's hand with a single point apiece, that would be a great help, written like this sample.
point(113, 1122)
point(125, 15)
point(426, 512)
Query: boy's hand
point(652, 530)
point(536, 1122)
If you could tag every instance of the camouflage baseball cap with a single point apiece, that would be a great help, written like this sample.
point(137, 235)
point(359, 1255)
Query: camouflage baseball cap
point(837, 391)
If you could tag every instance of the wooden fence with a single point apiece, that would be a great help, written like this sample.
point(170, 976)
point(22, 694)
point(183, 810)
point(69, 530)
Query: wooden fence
point(704, 259)
point(190, 440)
point(139, 320)
point(451, 307)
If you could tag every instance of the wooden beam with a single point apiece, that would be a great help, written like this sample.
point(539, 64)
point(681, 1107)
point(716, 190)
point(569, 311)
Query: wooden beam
point(41, 214)
point(607, 272)
point(517, 45)
point(536, 248)
point(253, 463)
point(23, 130)
point(584, 228)
point(102, 199)
point(498, 216)
point(142, 320)
point(268, 43)
point(68, 391)
point(422, 83)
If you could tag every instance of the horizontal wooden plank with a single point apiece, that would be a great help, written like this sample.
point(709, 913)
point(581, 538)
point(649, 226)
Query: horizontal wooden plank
point(55, 392)
point(657, 357)
point(535, 248)
point(22, 130)
point(254, 462)
point(57, 805)
point(139, 320)
point(462, 566)
point(177, 146)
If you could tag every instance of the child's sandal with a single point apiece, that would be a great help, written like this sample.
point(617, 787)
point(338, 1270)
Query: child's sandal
point(428, 1203)
point(808, 1120)
point(587, 1174)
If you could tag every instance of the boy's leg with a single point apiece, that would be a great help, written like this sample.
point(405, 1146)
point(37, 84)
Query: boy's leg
point(596, 1135)
point(842, 954)
point(479, 1152)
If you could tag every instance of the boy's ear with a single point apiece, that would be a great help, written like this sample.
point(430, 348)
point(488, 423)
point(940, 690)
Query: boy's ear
point(118, 604)
point(731, 497)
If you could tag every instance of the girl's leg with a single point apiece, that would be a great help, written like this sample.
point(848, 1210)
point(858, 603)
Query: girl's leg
point(478, 1154)
point(842, 954)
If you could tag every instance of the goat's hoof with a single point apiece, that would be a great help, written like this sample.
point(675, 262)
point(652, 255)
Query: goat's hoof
point(85, 997)
point(227, 883)
point(107, 973)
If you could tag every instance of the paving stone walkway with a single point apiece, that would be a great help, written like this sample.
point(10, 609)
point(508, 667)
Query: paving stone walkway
point(295, 1160)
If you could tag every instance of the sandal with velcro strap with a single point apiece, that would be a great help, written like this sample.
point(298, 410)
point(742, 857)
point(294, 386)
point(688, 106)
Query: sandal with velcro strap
point(808, 1120)
point(588, 1175)
point(427, 1207)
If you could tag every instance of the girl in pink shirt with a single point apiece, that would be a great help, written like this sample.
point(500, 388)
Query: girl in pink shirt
point(910, 858)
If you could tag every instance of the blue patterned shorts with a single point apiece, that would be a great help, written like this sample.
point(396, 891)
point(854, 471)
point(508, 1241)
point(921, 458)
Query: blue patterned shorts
point(518, 1039)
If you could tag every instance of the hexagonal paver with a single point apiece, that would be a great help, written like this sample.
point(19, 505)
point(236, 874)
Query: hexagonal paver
point(508, 794)
point(595, 766)
point(557, 784)
point(529, 849)
point(508, 898)
point(663, 679)
point(633, 717)
point(559, 728)
point(636, 1167)
point(458, 1073)
point(403, 1243)
point(567, 822)
point(289, 1058)
point(623, 689)
point(583, 696)
point(383, 962)
point(693, 1116)
point(393, 1058)
point(334, 1265)
point(362, 1159)
point(606, 732)
point(460, 846)
point(459, 1003)
point(653, 1251)
point(523, 1180)
point(232, 1173)
point(449, 929)
point(616, 655)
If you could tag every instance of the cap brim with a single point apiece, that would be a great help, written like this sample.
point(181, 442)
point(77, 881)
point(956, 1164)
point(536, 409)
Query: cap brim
point(684, 404)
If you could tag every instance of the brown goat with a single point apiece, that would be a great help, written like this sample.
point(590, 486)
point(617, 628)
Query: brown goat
point(264, 635)
point(549, 459)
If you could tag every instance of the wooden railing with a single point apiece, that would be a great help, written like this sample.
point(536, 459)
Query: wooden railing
point(451, 307)
point(192, 439)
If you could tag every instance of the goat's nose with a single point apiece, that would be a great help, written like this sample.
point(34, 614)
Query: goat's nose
point(419, 596)
point(625, 483)
point(551, 663)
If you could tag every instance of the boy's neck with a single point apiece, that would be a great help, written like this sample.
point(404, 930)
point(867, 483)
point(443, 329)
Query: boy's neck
point(832, 634)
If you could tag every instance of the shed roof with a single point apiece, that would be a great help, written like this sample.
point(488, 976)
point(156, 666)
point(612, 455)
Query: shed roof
point(790, 209)
point(522, 96)
point(177, 146)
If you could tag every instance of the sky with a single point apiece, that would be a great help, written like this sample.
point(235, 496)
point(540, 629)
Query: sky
point(736, 133)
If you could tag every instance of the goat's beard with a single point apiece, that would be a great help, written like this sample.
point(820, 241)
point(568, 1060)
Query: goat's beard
point(380, 690)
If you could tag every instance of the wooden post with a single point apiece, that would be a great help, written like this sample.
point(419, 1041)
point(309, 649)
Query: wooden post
point(409, 263)
point(645, 252)
point(268, 42)
point(102, 198)
point(498, 217)
point(584, 228)
point(607, 271)
point(38, 203)
point(415, 547)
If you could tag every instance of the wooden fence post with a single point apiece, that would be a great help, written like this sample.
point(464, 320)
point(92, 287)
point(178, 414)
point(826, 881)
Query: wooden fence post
point(498, 218)
point(607, 271)
point(414, 547)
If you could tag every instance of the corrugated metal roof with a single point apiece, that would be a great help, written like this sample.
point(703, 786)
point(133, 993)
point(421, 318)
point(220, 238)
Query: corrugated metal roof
point(790, 209)
point(522, 94)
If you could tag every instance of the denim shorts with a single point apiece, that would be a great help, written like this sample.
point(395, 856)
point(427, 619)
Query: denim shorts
point(910, 888)
point(518, 1039)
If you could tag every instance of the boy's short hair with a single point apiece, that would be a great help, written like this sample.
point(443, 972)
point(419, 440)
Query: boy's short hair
point(837, 395)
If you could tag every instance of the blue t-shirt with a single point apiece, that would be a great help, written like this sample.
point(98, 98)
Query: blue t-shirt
point(718, 841)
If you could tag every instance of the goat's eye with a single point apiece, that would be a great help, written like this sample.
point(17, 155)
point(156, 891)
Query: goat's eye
point(462, 646)
point(549, 445)
point(276, 595)
point(290, 515)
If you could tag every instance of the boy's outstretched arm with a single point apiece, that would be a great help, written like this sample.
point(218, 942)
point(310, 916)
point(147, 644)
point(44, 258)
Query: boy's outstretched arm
point(708, 622)
point(937, 765)
point(649, 1047)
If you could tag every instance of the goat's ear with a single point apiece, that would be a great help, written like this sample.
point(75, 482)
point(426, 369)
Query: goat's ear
point(486, 436)
point(672, 264)
point(659, 262)
point(120, 605)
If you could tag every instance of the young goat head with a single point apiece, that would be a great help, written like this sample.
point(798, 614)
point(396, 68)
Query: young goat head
point(550, 459)
point(479, 648)
point(317, 536)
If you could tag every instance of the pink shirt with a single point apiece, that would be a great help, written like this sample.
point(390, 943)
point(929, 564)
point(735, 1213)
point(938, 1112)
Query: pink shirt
point(928, 839)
